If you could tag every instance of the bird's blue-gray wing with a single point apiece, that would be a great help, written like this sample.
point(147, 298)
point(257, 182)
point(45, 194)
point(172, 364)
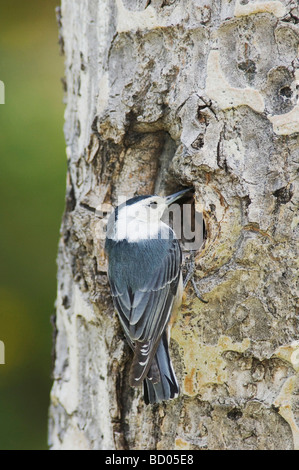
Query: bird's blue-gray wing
point(143, 292)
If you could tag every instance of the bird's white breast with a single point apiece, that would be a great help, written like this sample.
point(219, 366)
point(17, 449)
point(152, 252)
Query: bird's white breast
point(134, 230)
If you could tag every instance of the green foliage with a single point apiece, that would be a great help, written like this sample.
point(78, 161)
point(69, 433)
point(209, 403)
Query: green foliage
point(32, 184)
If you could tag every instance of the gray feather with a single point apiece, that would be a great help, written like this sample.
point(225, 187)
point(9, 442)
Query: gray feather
point(144, 302)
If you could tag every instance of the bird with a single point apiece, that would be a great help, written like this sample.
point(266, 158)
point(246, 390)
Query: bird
point(146, 284)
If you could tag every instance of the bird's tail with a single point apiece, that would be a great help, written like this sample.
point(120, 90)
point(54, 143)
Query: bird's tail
point(167, 387)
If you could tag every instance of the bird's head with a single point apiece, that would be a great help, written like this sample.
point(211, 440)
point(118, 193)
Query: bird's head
point(150, 208)
point(144, 210)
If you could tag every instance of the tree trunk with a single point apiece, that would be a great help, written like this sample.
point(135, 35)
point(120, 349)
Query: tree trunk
point(160, 95)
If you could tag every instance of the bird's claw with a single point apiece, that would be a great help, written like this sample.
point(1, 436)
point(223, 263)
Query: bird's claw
point(189, 277)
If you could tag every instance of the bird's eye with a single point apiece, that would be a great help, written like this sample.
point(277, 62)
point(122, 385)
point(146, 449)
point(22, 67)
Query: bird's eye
point(153, 205)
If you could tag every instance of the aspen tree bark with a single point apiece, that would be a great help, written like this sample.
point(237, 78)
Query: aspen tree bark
point(160, 95)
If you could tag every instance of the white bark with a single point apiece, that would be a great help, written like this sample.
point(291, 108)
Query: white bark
point(164, 94)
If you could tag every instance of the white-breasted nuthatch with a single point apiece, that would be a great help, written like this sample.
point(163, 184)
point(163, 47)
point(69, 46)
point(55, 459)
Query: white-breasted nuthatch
point(144, 272)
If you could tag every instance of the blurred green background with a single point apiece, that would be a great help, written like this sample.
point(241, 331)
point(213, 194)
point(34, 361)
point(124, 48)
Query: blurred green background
point(32, 185)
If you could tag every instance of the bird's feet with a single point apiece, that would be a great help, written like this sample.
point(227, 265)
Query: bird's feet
point(190, 269)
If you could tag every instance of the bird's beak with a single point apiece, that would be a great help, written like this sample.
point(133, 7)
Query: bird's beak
point(174, 197)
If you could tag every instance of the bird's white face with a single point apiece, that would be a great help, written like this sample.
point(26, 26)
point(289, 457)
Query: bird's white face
point(149, 210)
point(140, 220)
